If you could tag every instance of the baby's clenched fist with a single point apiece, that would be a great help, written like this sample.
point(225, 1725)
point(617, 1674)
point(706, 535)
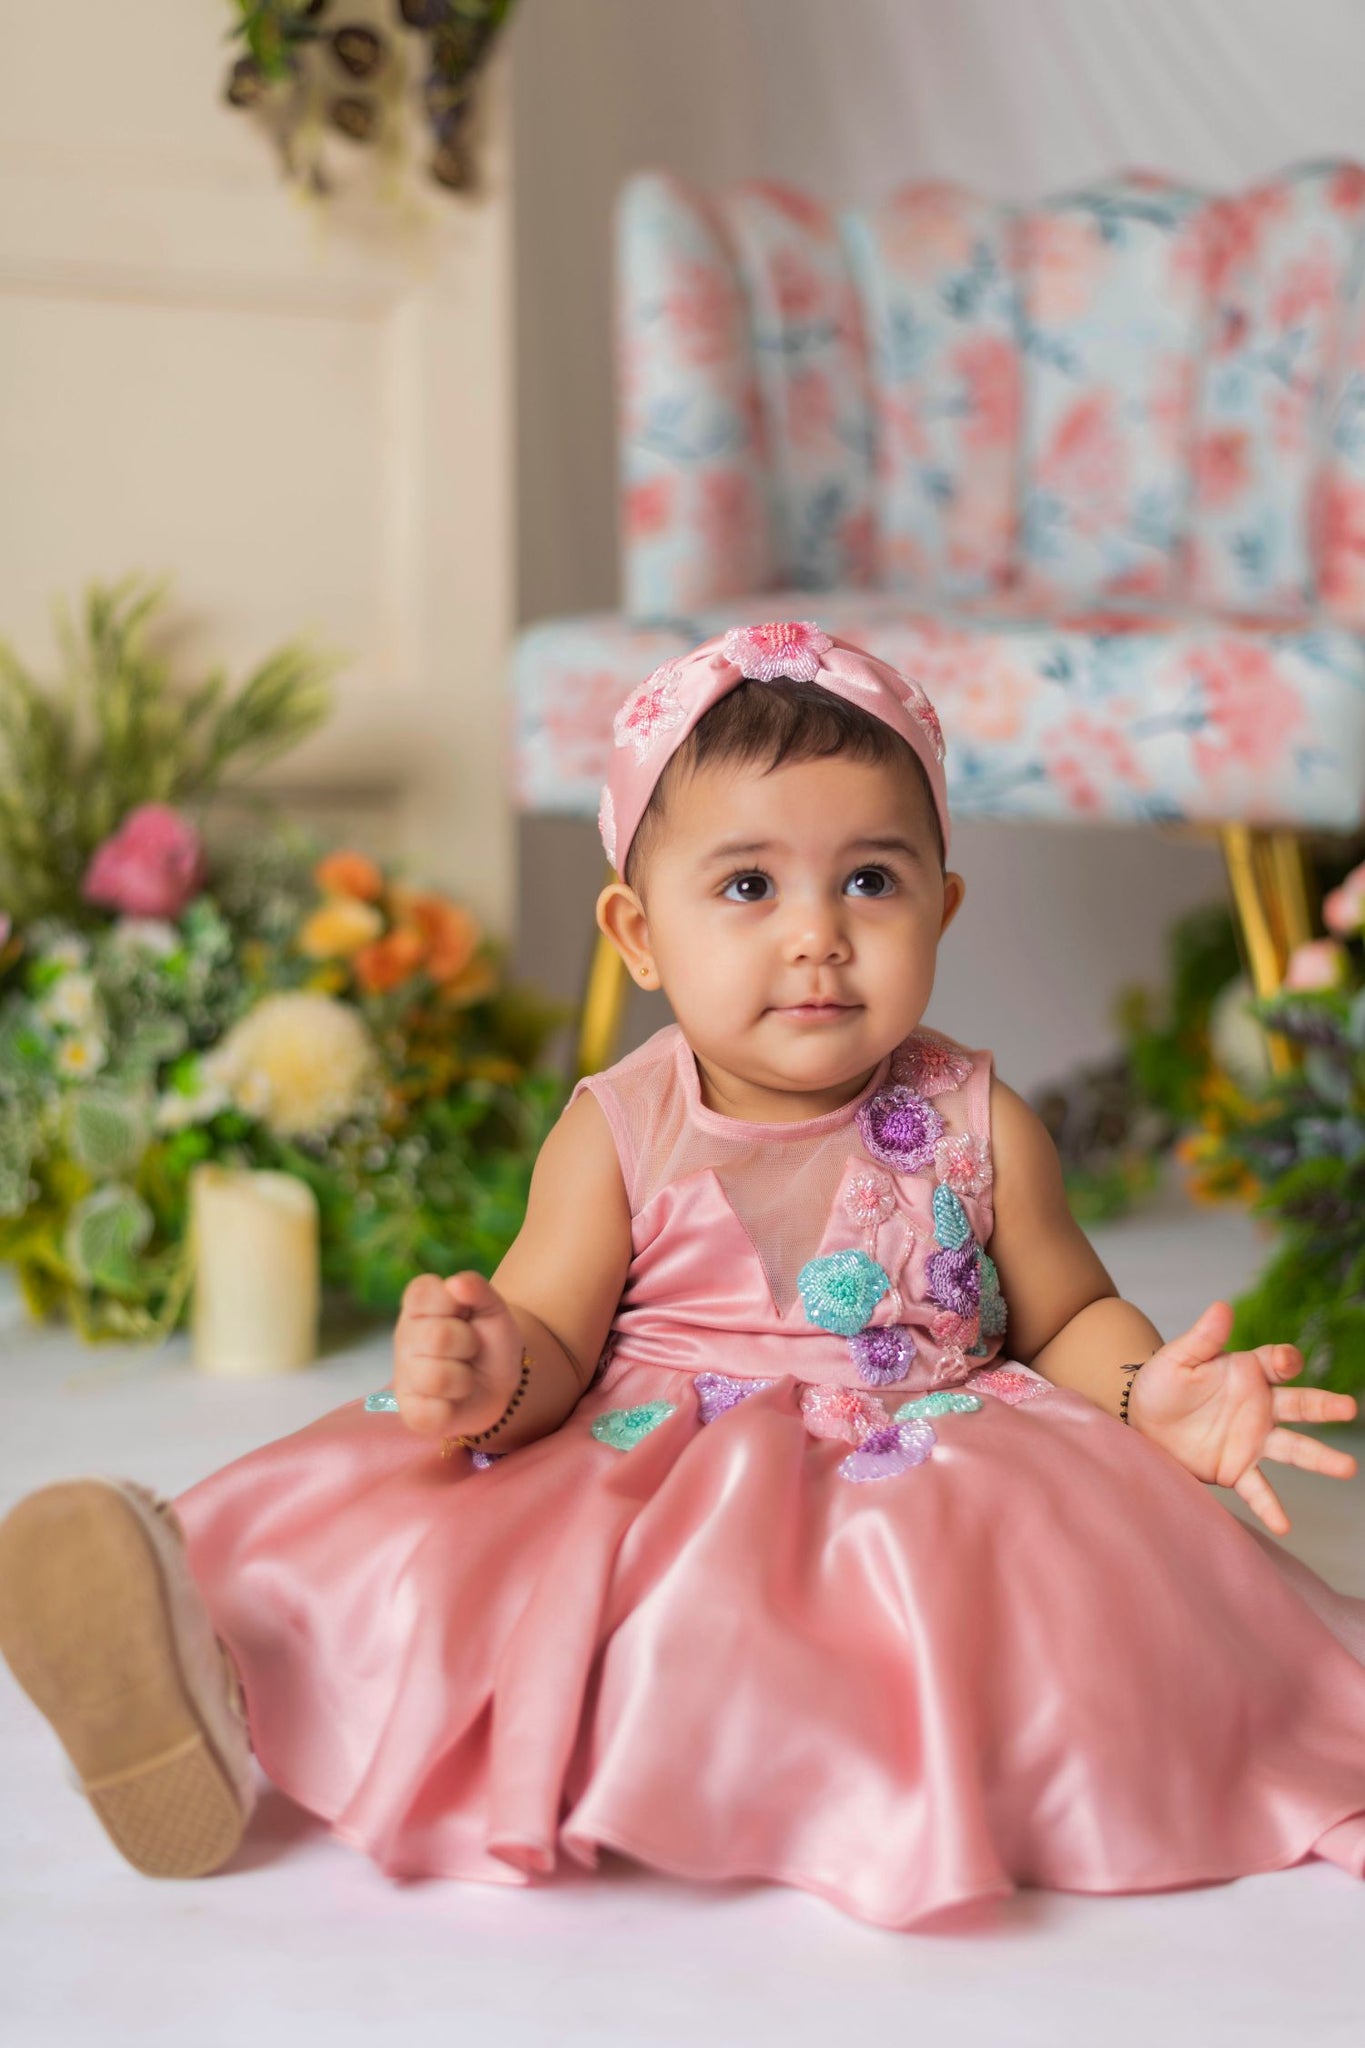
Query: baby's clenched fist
point(457, 1355)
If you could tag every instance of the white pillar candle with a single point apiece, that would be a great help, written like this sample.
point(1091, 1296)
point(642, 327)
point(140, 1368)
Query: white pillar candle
point(255, 1248)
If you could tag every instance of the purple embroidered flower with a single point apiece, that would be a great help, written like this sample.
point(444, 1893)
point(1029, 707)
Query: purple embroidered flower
point(787, 650)
point(963, 1162)
point(882, 1355)
point(606, 824)
point(929, 1064)
point(888, 1451)
point(869, 1198)
point(900, 1128)
point(955, 1278)
point(717, 1393)
point(652, 708)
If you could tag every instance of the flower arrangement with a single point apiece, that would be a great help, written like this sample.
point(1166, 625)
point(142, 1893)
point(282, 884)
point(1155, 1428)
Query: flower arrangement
point(1294, 1146)
point(164, 1002)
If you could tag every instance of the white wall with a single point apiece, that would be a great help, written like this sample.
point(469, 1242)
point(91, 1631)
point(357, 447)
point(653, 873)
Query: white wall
point(850, 97)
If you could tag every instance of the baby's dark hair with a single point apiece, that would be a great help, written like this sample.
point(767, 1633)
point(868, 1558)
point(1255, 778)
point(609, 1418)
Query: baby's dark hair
point(772, 723)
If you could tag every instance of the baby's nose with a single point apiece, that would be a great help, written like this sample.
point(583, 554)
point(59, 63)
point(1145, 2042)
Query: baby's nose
point(817, 932)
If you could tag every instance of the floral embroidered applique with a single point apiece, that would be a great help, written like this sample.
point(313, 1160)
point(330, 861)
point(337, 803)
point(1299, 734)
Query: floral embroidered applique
point(900, 1128)
point(623, 1428)
point(718, 1393)
point(941, 1402)
point(888, 1451)
point(963, 1163)
point(840, 1290)
point(841, 1412)
point(651, 710)
point(882, 1353)
point(929, 1065)
point(954, 1278)
point(606, 823)
point(1009, 1386)
point(786, 650)
point(951, 1227)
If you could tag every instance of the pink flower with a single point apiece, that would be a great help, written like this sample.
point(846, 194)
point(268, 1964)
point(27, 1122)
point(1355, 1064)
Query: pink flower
point(1344, 909)
point(841, 1412)
point(929, 1065)
point(791, 651)
point(652, 708)
point(964, 1163)
point(151, 867)
point(869, 1198)
point(1320, 964)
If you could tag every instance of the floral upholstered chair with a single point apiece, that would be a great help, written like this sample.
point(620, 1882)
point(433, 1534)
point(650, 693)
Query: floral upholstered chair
point(1092, 470)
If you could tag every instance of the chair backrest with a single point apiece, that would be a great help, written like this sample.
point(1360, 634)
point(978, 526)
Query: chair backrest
point(1133, 394)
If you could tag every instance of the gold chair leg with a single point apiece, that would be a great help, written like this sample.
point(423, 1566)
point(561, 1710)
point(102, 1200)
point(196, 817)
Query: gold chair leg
point(1272, 898)
point(604, 1007)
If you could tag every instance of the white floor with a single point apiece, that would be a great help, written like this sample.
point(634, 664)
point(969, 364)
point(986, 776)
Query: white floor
point(300, 1928)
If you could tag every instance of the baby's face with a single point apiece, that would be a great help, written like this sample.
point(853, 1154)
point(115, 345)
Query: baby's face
point(793, 918)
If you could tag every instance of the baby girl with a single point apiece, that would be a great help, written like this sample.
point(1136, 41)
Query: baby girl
point(799, 1498)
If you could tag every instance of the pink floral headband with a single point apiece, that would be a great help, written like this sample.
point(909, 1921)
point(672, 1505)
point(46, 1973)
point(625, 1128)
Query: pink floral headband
point(660, 712)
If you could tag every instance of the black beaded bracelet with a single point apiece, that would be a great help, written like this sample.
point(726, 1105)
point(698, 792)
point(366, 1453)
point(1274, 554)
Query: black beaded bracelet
point(1131, 1371)
point(469, 1443)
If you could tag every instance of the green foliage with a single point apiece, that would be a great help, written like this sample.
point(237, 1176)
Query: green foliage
point(1166, 1042)
point(75, 760)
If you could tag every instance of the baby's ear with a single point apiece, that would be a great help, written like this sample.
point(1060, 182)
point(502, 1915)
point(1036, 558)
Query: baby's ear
point(954, 889)
point(621, 916)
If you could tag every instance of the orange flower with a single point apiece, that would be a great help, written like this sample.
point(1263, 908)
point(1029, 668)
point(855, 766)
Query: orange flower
point(349, 874)
point(450, 931)
point(477, 980)
point(388, 962)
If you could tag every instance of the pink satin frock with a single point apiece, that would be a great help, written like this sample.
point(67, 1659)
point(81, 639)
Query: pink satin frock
point(814, 1585)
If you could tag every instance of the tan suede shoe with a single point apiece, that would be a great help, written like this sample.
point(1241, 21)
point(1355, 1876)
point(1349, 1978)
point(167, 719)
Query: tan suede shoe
point(103, 1626)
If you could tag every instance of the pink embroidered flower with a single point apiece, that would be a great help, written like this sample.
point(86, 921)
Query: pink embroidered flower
point(929, 1065)
point(606, 823)
point(923, 710)
point(651, 709)
point(151, 867)
point(953, 1367)
point(900, 1128)
point(964, 1163)
point(1008, 1385)
point(950, 1328)
point(869, 1198)
point(841, 1412)
point(789, 650)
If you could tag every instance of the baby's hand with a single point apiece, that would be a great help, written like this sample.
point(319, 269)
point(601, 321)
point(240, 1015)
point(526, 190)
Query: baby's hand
point(1219, 1412)
point(457, 1355)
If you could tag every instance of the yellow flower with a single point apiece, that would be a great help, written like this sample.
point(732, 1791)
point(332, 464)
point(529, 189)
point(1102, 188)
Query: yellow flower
point(303, 1063)
point(341, 927)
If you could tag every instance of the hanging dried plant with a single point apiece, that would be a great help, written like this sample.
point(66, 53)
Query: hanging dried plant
point(420, 81)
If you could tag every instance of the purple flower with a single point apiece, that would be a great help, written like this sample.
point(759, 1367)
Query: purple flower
point(882, 1354)
point(955, 1278)
point(900, 1128)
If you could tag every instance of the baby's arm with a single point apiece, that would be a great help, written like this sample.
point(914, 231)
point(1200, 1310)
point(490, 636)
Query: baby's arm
point(458, 1344)
point(1066, 1317)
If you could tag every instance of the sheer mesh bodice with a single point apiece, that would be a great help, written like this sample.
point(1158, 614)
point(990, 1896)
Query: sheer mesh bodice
point(710, 1194)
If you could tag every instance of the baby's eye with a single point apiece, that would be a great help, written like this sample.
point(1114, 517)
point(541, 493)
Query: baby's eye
point(882, 880)
point(742, 882)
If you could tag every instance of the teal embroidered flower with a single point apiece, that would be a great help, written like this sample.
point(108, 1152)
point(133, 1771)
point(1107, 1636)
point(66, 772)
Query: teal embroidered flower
point(382, 1404)
point(951, 1227)
point(623, 1428)
point(944, 1402)
point(993, 1311)
point(840, 1290)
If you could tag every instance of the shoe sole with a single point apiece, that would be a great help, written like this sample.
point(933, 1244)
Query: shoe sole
point(88, 1610)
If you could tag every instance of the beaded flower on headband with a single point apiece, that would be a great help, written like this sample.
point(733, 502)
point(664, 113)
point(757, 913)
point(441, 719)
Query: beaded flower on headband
point(659, 713)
